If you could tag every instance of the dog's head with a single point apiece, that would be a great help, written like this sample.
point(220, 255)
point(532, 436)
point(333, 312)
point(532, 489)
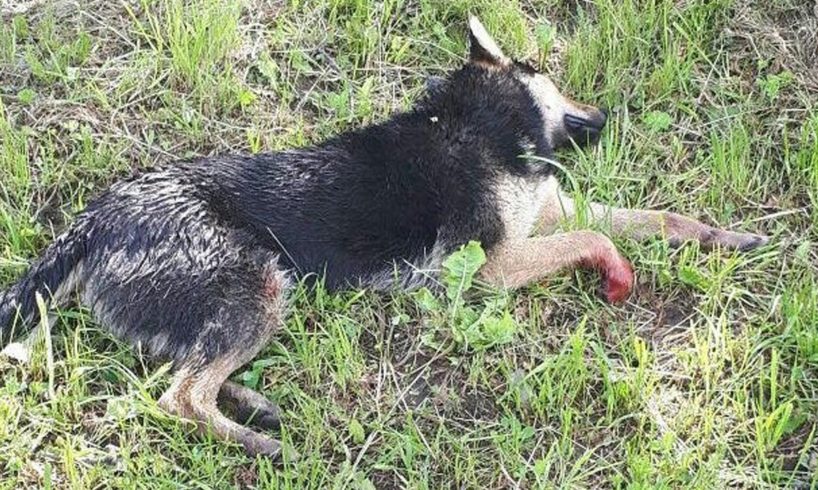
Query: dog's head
point(565, 121)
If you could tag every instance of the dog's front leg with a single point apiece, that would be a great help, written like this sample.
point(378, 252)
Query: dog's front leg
point(640, 224)
point(519, 262)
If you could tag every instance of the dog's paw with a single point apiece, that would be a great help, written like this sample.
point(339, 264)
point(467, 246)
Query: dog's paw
point(260, 445)
point(267, 420)
point(742, 242)
point(617, 280)
point(681, 229)
point(616, 271)
point(750, 241)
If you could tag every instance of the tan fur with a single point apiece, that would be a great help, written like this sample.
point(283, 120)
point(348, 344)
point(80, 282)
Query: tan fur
point(521, 202)
point(550, 101)
point(640, 224)
point(250, 406)
point(516, 263)
point(519, 260)
point(554, 105)
point(193, 395)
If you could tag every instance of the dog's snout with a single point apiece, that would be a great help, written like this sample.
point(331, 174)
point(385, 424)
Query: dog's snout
point(592, 121)
point(603, 116)
point(586, 127)
point(574, 123)
point(597, 119)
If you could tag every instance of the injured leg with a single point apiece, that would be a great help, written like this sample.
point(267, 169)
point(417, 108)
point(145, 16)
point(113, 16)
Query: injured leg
point(517, 263)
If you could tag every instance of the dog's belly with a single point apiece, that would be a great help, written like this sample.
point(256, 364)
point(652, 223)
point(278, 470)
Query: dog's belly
point(336, 266)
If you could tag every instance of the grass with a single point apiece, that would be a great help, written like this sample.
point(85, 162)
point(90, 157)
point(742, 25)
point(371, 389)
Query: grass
point(706, 378)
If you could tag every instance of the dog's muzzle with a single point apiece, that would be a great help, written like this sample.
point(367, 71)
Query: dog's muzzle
point(585, 129)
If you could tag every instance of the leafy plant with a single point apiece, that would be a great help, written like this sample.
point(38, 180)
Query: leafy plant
point(252, 376)
point(459, 269)
point(772, 84)
point(657, 121)
point(472, 326)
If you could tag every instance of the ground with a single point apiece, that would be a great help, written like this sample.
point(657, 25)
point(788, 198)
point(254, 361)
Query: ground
point(707, 377)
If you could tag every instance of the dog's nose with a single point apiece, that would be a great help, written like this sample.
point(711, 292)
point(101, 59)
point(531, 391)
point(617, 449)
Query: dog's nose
point(585, 129)
point(592, 122)
point(599, 119)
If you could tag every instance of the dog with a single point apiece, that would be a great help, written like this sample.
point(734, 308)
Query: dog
point(194, 260)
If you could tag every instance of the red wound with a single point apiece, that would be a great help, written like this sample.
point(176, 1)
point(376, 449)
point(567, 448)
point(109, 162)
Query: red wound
point(618, 281)
point(617, 275)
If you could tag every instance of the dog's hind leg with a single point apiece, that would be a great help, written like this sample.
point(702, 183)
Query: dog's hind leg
point(250, 406)
point(516, 263)
point(248, 315)
point(192, 395)
point(640, 224)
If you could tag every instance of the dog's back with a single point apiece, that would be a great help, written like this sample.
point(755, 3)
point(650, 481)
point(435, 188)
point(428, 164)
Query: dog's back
point(385, 199)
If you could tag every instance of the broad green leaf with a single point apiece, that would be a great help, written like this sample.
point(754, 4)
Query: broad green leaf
point(461, 266)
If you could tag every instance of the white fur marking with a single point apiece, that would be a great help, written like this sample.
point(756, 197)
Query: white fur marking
point(521, 203)
point(551, 102)
point(483, 38)
point(18, 351)
point(409, 275)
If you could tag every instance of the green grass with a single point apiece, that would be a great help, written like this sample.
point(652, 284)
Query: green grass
point(706, 378)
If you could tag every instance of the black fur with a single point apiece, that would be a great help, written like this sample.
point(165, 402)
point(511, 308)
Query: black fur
point(45, 276)
point(167, 258)
point(352, 206)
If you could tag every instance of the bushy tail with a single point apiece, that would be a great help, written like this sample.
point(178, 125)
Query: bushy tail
point(49, 276)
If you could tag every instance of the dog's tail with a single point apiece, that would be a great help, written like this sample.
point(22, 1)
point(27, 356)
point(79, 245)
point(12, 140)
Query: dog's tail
point(52, 275)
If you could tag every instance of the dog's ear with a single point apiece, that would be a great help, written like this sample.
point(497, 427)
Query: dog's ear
point(483, 50)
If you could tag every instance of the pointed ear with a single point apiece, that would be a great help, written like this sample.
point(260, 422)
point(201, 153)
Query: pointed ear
point(483, 49)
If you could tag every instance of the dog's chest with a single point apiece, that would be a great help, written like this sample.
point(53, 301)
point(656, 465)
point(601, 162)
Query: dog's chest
point(521, 201)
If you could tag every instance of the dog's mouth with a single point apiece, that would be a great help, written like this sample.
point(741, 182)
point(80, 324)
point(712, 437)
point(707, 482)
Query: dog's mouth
point(585, 129)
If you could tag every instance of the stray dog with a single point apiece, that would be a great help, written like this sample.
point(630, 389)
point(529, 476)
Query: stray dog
point(194, 261)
